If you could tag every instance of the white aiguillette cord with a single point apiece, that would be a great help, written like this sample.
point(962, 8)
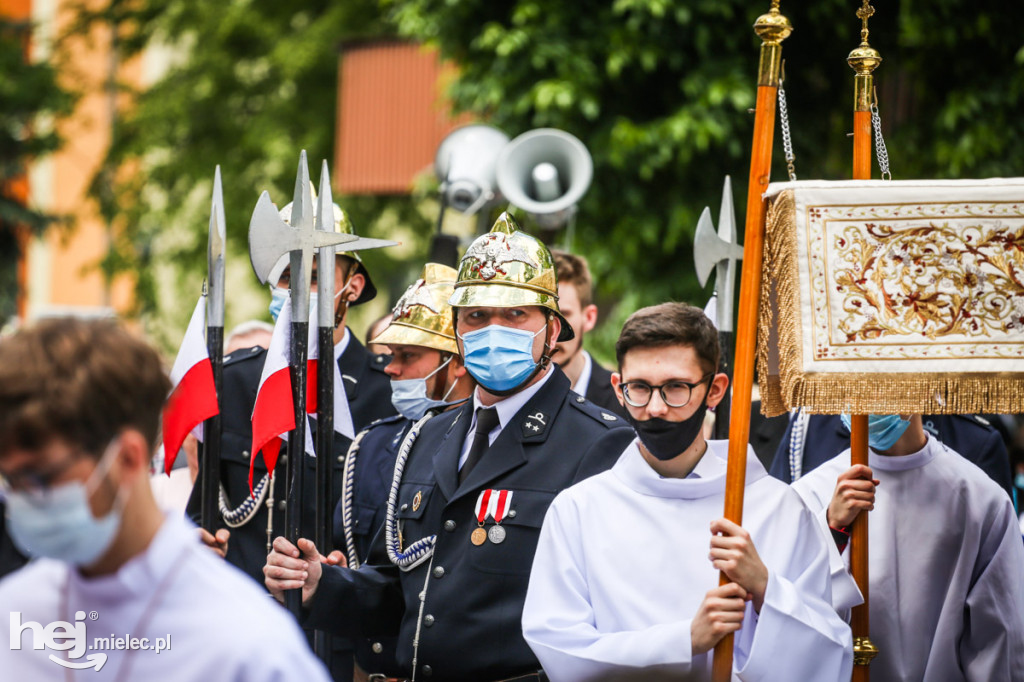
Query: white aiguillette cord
point(147, 611)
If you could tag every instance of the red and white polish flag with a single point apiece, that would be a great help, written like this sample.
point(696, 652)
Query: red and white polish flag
point(273, 414)
point(193, 397)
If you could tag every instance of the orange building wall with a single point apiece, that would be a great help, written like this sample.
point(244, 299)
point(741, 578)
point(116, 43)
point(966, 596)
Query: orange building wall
point(392, 115)
point(62, 275)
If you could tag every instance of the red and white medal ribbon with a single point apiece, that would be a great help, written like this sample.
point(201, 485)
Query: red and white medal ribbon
point(493, 504)
point(500, 505)
point(483, 506)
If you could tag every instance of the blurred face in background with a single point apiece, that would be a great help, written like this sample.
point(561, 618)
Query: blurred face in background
point(582, 318)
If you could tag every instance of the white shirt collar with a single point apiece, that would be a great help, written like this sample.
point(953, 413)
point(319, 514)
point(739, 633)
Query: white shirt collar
point(508, 406)
point(583, 381)
point(340, 347)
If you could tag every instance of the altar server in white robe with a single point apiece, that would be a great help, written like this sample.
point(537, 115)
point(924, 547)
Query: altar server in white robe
point(945, 557)
point(624, 584)
point(117, 590)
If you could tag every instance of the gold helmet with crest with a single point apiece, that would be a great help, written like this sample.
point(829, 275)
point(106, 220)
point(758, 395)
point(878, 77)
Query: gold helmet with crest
point(342, 225)
point(507, 268)
point(423, 317)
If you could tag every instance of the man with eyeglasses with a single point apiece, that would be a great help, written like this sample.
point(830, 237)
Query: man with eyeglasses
point(115, 585)
point(449, 572)
point(624, 584)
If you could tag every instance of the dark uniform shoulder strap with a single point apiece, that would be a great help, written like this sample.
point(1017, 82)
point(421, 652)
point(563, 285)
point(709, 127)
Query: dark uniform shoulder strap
point(244, 355)
point(598, 414)
point(384, 420)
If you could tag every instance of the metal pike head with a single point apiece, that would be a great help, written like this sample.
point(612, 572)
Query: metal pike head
point(270, 237)
point(719, 251)
point(215, 256)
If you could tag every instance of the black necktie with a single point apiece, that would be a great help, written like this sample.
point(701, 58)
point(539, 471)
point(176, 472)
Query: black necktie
point(486, 420)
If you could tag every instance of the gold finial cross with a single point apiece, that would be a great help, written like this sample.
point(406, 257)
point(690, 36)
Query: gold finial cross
point(864, 13)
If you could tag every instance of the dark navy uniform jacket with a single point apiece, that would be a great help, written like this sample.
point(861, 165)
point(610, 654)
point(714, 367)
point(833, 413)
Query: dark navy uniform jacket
point(369, 395)
point(469, 624)
point(375, 464)
point(368, 390)
point(600, 391)
point(968, 435)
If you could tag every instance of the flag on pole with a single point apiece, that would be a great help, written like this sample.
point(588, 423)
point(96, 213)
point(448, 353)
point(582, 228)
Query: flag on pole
point(193, 397)
point(273, 415)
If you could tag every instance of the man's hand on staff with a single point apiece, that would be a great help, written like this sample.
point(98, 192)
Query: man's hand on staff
point(288, 568)
point(733, 553)
point(218, 543)
point(719, 614)
point(854, 493)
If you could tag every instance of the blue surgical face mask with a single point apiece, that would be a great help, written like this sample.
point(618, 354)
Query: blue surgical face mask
point(57, 522)
point(1019, 480)
point(883, 429)
point(409, 396)
point(279, 298)
point(500, 358)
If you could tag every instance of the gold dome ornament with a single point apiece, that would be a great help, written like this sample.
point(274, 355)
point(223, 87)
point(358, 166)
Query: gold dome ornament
point(422, 316)
point(508, 268)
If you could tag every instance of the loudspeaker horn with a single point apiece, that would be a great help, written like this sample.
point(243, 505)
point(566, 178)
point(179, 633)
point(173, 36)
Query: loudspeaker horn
point(465, 165)
point(545, 172)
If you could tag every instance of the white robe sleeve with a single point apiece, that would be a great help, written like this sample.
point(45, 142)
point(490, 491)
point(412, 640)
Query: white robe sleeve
point(559, 622)
point(992, 645)
point(797, 617)
point(845, 593)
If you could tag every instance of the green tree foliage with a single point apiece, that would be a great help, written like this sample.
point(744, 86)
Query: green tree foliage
point(249, 85)
point(32, 100)
point(659, 91)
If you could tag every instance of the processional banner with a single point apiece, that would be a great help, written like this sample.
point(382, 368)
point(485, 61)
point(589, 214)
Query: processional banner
point(890, 297)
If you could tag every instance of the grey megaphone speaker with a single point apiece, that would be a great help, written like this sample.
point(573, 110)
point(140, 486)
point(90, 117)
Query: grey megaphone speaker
point(545, 172)
point(465, 164)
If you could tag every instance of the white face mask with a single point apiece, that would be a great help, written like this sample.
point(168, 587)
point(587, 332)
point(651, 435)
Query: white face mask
point(58, 522)
point(409, 396)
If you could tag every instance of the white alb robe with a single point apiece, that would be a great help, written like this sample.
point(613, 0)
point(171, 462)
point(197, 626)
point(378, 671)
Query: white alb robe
point(945, 563)
point(221, 625)
point(622, 567)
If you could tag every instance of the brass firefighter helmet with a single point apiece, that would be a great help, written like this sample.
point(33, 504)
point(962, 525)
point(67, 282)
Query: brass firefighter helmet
point(342, 225)
point(422, 317)
point(506, 268)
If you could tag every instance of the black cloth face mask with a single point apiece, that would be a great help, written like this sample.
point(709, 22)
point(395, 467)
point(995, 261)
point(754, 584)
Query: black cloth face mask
point(665, 439)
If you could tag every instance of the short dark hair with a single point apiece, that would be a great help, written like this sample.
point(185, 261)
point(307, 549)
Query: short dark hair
point(670, 324)
point(82, 381)
point(573, 269)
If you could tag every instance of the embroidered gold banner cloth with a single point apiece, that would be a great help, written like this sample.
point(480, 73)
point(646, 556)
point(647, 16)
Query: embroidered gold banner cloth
point(893, 297)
